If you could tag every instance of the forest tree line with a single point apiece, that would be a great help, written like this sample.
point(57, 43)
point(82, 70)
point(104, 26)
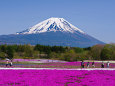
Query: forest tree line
point(97, 52)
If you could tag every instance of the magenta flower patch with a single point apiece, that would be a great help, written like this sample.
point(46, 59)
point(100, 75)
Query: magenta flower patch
point(57, 78)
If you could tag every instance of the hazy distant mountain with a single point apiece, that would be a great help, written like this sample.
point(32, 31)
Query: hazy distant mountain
point(53, 31)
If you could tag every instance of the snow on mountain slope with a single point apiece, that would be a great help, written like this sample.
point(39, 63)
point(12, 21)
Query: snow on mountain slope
point(52, 24)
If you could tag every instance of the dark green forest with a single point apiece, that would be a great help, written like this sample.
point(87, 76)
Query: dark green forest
point(97, 52)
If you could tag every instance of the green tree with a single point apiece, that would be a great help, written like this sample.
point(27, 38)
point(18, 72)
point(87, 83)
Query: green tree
point(10, 52)
point(107, 52)
point(2, 55)
point(69, 56)
point(3, 48)
point(96, 51)
point(54, 55)
point(28, 51)
point(78, 50)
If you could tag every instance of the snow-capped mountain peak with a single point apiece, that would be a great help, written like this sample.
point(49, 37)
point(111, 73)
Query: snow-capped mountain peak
point(52, 24)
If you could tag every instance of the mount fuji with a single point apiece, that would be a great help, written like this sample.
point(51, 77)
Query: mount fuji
point(52, 24)
point(53, 31)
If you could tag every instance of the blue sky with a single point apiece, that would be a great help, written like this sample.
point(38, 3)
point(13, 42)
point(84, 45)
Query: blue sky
point(95, 17)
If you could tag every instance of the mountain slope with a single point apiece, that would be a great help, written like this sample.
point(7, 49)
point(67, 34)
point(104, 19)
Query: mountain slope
point(52, 38)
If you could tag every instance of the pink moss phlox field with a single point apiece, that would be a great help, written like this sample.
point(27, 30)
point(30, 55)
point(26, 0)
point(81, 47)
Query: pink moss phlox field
point(57, 78)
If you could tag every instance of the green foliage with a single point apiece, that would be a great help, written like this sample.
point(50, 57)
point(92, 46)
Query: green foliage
point(54, 55)
point(2, 55)
point(69, 55)
point(28, 52)
point(49, 49)
point(78, 50)
point(97, 52)
point(3, 48)
point(87, 48)
point(58, 49)
point(108, 52)
point(10, 52)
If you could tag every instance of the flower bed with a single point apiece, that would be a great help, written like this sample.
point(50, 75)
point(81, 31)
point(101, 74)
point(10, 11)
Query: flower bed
point(57, 78)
